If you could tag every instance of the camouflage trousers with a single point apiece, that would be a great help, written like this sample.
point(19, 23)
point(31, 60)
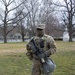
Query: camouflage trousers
point(36, 68)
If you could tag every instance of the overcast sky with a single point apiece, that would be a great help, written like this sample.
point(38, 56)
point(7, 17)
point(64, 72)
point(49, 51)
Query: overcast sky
point(2, 6)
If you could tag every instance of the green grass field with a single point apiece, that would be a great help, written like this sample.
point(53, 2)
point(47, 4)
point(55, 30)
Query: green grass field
point(15, 62)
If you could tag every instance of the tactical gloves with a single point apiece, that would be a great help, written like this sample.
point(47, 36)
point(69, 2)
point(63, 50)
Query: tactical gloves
point(29, 55)
point(43, 55)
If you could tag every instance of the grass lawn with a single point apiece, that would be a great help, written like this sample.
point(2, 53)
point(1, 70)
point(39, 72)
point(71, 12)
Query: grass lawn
point(17, 63)
point(12, 46)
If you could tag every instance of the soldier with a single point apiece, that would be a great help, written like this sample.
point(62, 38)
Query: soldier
point(48, 46)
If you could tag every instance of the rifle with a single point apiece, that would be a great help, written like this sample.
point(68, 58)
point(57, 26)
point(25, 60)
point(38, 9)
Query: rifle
point(48, 65)
point(36, 50)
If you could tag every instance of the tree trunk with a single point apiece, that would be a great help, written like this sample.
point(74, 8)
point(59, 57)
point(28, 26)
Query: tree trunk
point(70, 37)
point(70, 29)
point(5, 35)
point(5, 39)
point(22, 38)
point(5, 26)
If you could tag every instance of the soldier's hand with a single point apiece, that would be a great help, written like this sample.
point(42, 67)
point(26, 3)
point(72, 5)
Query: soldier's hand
point(36, 57)
point(28, 47)
point(42, 55)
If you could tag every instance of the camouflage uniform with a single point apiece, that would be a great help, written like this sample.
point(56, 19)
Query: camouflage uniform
point(49, 48)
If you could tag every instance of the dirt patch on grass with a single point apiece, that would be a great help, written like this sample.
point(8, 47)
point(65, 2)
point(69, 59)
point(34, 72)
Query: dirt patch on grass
point(7, 51)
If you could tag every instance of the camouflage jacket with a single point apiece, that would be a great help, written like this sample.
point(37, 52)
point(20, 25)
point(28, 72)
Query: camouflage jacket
point(49, 45)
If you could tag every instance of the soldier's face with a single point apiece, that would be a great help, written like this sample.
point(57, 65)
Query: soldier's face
point(40, 32)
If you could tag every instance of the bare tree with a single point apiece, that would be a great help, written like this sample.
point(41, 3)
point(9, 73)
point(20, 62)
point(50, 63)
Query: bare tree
point(32, 17)
point(68, 15)
point(47, 16)
point(6, 20)
point(21, 23)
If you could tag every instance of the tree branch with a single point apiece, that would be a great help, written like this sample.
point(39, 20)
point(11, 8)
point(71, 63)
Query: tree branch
point(14, 18)
point(3, 2)
point(73, 24)
point(59, 5)
point(1, 26)
point(11, 29)
point(66, 5)
point(10, 2)
point(16, 7)
point(73, 31)
point(1, 17)
point(20, 19)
